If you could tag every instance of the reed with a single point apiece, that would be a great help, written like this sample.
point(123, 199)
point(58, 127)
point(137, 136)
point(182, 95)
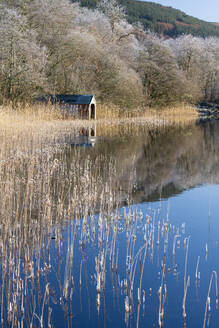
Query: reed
point(49, 187)
point(181, 113)
point(162, 298)
point(197, 272)
point(208, 300)
point(41, 188)
point(174, 244)
point(186, 280)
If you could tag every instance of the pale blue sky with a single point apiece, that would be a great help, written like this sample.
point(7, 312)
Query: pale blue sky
point(207, 10)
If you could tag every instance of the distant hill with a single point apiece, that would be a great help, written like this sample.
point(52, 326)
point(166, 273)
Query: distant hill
point(161, 19)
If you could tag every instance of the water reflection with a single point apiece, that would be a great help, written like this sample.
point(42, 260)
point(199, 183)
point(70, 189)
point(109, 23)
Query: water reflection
point(70, 253)
point(83, 137)
point(153, 163)
point(162, 162)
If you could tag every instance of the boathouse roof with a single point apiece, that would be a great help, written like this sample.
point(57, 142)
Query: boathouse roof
point(72, 99)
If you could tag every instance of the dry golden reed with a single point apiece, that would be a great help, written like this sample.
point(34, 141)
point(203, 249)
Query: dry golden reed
point(45, 185)
point(181, 113)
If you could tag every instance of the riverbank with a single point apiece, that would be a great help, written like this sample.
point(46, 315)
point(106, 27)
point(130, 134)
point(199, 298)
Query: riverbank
point(179, 112)
point(105, 113)
point(25, 130)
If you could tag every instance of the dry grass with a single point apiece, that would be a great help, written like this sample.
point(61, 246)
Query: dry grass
point(25, 129)
point(37, 112)
point(105, 112)
point(181, 114)
point(176, 114)
point(45, 184)
point(112, 121)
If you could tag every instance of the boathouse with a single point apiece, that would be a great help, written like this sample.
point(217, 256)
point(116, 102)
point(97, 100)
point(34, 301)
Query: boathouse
point(81, 106)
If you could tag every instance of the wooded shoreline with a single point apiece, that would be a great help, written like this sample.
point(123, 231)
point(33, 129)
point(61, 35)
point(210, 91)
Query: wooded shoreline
point(69, 49)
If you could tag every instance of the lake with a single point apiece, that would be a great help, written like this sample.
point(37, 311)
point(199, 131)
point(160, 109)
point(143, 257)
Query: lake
point(112, 226)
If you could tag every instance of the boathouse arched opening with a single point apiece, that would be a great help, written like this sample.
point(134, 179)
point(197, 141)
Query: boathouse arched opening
point(93, 112)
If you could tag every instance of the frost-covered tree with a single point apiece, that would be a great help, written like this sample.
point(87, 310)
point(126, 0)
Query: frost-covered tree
point(112, 10)
point(210, 68)
point(84, 57)
point(57, 46)
point(22, 60)
point(52, 19)
point(198, 58)
point(163, 82)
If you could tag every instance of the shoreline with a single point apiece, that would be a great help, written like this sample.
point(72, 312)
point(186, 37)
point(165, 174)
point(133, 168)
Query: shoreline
point(107, 114)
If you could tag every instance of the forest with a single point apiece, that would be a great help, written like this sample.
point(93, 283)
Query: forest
point(162, 19)
point(60, 47)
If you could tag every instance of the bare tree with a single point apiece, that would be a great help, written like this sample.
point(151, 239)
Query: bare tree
point(112, 10)
point(198, 58)
point(163, 82)
point(22, 61)
point(60, 47)
point(210, 69)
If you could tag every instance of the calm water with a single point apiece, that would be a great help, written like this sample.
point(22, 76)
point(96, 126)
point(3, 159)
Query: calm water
point(157, 247)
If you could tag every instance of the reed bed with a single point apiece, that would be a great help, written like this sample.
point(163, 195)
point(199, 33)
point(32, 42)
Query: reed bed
point(41, 189)
point(179, 114)
point(106, 113)
point(61, 225)
point(36, 195)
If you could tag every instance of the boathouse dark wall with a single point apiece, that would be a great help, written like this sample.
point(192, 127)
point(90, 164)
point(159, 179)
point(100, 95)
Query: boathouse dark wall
point(81, 106)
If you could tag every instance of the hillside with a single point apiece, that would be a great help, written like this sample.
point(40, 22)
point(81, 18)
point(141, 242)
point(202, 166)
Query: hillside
point(69, 49)
point(161, 19)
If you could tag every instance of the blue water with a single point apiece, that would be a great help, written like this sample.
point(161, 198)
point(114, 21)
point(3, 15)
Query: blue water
point(193, 213)
point(174, 196)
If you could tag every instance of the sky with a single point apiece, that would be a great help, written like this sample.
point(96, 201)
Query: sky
point(207, 10)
